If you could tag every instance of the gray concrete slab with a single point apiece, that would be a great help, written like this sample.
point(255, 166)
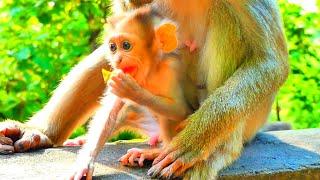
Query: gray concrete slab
point(273, 155)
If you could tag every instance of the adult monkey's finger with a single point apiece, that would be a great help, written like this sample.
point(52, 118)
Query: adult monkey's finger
point(11, 129)
point(5, 140)
point(6, 149)
point(31, 140)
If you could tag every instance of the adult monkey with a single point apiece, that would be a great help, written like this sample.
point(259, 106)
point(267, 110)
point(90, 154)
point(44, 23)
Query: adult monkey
point(240, 64)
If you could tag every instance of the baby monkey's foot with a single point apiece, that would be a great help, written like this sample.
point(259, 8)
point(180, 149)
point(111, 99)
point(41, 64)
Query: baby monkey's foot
point(136, 157)
point(154, 140)
point(79, 141)
point(191, 44)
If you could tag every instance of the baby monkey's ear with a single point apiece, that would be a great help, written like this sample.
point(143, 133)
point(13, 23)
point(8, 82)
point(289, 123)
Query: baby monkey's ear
point(167, 37)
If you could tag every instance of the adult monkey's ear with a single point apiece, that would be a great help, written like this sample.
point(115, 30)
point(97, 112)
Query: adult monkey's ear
point(166, 34)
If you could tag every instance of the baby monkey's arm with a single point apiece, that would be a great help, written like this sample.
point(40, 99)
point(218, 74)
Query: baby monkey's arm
point(167, 106)
point(169, 103)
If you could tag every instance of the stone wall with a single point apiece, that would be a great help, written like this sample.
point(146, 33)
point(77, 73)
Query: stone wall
point(273, 155)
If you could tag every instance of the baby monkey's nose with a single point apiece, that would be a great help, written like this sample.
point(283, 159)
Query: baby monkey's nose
point(118, 60)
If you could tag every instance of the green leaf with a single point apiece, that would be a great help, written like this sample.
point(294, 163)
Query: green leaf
point(23, 53)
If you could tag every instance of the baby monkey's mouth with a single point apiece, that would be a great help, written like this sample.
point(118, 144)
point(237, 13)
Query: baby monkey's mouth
point(129, 69)
point(128, 66)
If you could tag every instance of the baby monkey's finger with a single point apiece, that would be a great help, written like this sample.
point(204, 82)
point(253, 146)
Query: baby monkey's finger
point(124, 160)
point(133, 159)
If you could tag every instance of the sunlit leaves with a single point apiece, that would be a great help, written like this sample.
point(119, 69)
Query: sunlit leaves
point(40, 41)
point(299, 99)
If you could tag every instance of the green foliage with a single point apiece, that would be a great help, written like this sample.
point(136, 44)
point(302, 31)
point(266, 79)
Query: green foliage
point(78, 132)
point(299, 99)
point(126, 135)
point(41, 40)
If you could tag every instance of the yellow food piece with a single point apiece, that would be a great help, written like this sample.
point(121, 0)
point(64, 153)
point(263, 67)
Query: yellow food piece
point(106, 75)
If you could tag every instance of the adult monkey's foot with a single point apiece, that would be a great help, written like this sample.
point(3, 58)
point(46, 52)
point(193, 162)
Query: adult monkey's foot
point(17, 137)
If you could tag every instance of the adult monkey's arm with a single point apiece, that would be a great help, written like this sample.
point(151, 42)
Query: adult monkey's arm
point(229, 104)
point(75, 99)
point(72, 103)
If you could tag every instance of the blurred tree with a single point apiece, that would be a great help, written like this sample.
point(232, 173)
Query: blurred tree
point(299, 100)
point(40, 41)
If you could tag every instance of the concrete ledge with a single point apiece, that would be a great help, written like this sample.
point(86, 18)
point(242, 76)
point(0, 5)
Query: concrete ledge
point(273, 155)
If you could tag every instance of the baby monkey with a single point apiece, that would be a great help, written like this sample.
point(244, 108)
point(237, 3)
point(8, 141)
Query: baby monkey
point(148, 74)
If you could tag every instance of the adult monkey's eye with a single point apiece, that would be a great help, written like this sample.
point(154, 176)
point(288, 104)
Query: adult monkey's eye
point(126, 45)
point(113, 47)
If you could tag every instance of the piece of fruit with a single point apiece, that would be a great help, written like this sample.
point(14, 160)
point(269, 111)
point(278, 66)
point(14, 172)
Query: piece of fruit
point(106, 75)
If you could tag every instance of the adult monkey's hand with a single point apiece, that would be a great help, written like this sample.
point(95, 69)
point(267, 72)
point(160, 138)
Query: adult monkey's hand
point(182, 154)
point(71, 104)
point(18, 137)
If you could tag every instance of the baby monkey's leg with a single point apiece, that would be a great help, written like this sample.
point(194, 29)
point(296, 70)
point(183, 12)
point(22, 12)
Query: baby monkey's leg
point(136, 157)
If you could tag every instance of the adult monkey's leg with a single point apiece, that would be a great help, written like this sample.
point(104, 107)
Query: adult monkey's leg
point(72, 103)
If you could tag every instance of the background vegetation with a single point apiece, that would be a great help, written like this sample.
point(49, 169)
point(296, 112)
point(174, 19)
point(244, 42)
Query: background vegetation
point(41, 40)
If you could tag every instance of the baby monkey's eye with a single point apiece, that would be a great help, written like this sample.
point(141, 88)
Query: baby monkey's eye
point(126, 45)
point(113, 47)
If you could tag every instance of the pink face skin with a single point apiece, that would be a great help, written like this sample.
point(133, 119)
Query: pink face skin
point(121, 49)
point(128, 53)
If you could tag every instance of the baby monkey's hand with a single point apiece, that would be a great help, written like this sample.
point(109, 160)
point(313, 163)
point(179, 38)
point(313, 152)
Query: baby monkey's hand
point(124, 86)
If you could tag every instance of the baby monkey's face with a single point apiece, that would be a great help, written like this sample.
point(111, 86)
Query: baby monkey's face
point(129, 48)
point(135, 44)
point(127, 52)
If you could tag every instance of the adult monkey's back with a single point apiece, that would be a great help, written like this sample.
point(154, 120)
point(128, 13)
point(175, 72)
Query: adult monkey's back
point(239, 65)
